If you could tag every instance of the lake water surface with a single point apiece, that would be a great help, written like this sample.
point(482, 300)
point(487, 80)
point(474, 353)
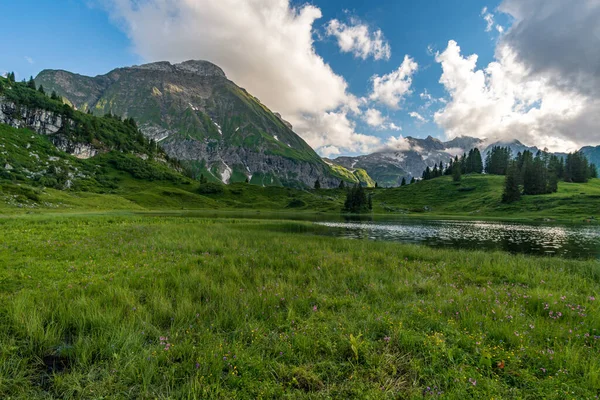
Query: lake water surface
point(544, 239)
point(571, 241)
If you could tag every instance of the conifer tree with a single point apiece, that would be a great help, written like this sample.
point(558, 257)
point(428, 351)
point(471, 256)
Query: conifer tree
point(427, 174)
point(457, 169)
point(356, 200)
point(448, 170)
point(317, 184)
point(41, 89)
point(497, 160)
point(403, 181)
point(577, 168)
point(413, 180)
point(512, 192)
point(342, 185)
point(31, 83)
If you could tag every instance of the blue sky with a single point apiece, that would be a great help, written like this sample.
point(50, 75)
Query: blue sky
point(81, 36)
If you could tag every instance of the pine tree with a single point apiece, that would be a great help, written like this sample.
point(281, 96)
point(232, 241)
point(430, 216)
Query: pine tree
point(457, 169)
point(512, 192)
point(577, 168)
point(448, 170)
point(413, 180)
point(356, 200)
point(31, 83)
point(427, 174)
point(552, 182)
point(317, 184)
point(593, 171)
point(41, 89)
point(403, 181)
point(342, 185)
point(497, 160)
point(473, 162)
point(54, 96)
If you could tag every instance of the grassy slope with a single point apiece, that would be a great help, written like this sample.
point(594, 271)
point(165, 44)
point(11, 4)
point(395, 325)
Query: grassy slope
point(479, 195)
point(250, 310)
point(573, 202)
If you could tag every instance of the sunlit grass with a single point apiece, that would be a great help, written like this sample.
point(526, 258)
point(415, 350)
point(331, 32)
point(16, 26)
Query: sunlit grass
point(161, 307)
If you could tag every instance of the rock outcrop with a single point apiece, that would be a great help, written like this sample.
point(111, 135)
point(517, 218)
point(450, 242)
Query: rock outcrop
point(45, 123)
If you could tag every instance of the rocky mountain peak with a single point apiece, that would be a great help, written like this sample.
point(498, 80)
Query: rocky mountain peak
point(200, 67)
point(197, 67)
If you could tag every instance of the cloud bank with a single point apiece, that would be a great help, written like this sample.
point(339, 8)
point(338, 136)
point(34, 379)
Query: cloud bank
point(543, 87)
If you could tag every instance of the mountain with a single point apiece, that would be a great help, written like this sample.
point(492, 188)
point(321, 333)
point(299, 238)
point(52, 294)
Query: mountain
point(388, 167)
point(203, 119)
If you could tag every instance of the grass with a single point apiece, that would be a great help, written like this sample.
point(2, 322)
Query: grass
point(438, 198)
point(479, 196)
point(111, 306)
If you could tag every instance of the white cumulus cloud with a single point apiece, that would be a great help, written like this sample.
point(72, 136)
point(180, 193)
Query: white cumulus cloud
point(391, 89)
point(357, 38)
point(417, 116)
point(265, 46)
point(376, 119)
point(503, 101)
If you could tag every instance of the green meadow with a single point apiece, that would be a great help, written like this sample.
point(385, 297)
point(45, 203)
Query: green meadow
point(110, 306)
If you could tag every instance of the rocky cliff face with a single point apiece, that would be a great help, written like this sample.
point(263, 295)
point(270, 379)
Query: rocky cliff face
point(200, 117)
point(43, 123)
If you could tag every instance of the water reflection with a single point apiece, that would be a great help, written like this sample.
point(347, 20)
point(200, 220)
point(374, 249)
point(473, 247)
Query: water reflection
point(564, 241)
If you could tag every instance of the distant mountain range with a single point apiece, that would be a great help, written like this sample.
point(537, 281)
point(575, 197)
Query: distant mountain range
point(204, 120)
point(389, 166)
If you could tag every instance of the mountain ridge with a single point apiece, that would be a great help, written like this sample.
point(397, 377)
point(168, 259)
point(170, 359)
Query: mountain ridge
point(388, 167)
point(204, 120)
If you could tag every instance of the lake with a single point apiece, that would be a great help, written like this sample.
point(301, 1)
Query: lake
point(574, 241)
point(543, 239)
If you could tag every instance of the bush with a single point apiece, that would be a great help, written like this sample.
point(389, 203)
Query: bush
point(210, 188)
point(296, 203)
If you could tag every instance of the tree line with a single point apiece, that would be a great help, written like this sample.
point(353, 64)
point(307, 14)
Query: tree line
point(530, 175)
point(469, 163)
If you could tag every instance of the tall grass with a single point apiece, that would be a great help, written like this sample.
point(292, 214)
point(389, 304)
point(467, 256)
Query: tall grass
point(161, 307)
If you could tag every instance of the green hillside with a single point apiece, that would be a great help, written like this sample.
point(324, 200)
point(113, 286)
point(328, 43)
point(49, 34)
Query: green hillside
point(480, 195)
